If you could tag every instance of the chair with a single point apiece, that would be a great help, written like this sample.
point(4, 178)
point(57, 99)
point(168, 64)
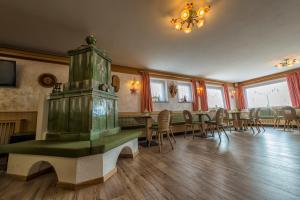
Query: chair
point(278, 116)
point(249, 120)
point(228, 119)
point(258, 122)
point(189, 123)
point(218, 123)
point(290, 116)
point(171, 126)
point(7, 129)
point(163, 127)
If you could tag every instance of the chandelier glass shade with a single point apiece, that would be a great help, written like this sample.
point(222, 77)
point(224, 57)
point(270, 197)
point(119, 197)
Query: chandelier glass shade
point(287, 62)
point(190, 18)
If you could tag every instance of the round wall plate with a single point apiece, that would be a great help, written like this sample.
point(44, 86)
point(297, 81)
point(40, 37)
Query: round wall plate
point(47, 80)
point(116, 83)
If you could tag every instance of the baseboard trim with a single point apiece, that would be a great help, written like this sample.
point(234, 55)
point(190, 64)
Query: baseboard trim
point(77, 186)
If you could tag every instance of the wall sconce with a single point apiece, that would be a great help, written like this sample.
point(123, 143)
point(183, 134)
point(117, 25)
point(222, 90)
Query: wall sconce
point(232, 93)
point(134, 86)
point(199, 90)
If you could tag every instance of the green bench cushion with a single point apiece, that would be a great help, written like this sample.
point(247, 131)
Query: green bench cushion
point(107, 143)
point(70, 149)
point(49, 148)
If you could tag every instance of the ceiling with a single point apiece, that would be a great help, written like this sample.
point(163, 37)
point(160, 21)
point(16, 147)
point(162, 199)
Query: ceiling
point(241, 39)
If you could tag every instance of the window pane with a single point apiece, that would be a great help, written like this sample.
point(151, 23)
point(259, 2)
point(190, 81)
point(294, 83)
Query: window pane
point(158, 90)
point(271, 94)
point(215, 97)
point(184, 92)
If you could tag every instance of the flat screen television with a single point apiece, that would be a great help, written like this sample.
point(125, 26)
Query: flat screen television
point(7, 73)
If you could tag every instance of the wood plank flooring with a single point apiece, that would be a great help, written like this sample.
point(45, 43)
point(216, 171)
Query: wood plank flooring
point(265, 166)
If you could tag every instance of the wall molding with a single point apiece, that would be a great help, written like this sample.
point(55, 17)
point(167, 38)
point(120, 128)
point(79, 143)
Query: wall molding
point(267, 77)
point(64, 60)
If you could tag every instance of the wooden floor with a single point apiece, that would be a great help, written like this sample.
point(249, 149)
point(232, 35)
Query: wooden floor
point(265, 166)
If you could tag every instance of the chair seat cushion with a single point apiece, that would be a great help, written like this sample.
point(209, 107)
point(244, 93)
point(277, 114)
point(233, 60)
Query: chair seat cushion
point(73, 148)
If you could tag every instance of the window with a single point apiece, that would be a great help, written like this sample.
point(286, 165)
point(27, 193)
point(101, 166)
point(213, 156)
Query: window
point(268, 94)
point(158, 90)
point(184, 92)
point(215, 96)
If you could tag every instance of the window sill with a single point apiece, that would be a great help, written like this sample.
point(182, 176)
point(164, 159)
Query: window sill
point(160, 102)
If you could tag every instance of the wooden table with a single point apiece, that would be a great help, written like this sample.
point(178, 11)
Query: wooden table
point(200, 115)
point(147, 119)
point(237, 122)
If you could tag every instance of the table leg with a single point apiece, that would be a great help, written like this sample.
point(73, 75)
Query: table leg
point(148, 130)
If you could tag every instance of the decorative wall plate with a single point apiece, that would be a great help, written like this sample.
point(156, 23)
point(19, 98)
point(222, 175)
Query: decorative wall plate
point(47, 80)
point(116, 83)
point(173, 89)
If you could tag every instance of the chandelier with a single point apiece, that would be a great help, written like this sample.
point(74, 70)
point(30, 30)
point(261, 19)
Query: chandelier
point(287, 62)
point(190, 17)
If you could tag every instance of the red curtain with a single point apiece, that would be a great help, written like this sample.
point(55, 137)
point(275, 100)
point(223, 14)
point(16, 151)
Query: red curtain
point(241, 104)
point(293, 80)
point(226, 95)
point(195, 96)
point(203, 96)
point(146, 99)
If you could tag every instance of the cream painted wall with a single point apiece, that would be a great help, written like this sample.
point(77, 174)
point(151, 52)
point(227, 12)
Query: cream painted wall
point(128, 102)
point(25, 97)
point(29, 94)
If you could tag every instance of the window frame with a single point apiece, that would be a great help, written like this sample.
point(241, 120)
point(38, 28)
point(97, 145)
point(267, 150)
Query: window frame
point(191, 91)
point(264, 83)
point(219, 87)
point(165, 89)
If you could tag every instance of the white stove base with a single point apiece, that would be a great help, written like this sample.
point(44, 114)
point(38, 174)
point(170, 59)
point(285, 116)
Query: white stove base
point(72, 172)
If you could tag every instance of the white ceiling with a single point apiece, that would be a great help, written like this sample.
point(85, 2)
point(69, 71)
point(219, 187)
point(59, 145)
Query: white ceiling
point(242, 39)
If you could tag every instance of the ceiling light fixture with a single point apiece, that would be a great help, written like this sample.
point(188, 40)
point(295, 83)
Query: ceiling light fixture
point(190, 18)
point(287, 62)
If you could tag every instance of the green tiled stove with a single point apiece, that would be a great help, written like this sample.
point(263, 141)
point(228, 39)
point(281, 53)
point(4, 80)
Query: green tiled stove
point(83, 141)
point(87, 108)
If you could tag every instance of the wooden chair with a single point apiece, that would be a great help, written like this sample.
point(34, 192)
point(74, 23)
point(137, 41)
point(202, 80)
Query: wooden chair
point(258, 122)
point(190, 124)
point(171, 126)
point(218, 123)
point(228, 119)
point(278, 116)
point(290, 116)
point(163, 127)
point(249, 120)
point(7, 129)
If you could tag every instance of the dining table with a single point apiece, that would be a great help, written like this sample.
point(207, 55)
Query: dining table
point(201, 115)
point(143, 118)
point(237, 119)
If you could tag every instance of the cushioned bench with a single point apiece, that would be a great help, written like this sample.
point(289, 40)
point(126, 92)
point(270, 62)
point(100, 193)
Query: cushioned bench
point(178, 120)
point(71, 149)
point(76, 163)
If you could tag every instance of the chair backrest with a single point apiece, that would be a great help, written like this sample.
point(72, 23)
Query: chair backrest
point(188, 118)
point(163, 120)
point(171, 117)
point(7, 129)
point(212, 114)
point(245, 114)
point(252, 113)
point(289, 112)
point(226, 114)
point(257, 113)
point(278, 112)
point(220, 115)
